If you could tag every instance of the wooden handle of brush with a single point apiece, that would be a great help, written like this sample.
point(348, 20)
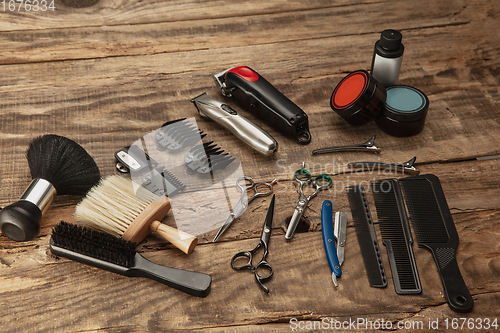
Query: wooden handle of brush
point(182, 240)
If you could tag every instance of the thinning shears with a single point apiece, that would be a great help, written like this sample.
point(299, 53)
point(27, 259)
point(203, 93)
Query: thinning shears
point(263, 271)
point(304, 177)
point(244, 183)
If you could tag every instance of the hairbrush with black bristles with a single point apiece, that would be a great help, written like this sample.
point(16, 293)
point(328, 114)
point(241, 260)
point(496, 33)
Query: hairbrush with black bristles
point(435, 230)
point(58, 166)
point(206, 158)
point(177, 134)
point(396, 236)
point(102, 250)
point(367, 238)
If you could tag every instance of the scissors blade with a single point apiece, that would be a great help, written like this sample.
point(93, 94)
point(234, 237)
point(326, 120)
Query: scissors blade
point(226, 224)
point(340, 234)
point(268, 224)
point(240, 207)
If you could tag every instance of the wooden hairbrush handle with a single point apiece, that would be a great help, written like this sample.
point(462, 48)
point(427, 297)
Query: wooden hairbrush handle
point(182, 240)
point(148, 220)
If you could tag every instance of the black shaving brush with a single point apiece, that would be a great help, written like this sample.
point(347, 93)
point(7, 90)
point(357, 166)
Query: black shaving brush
point(58, 166)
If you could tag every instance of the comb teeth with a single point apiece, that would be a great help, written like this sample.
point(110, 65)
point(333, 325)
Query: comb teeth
point(93, 243)
point(436, 231)
point(367, 238)
point(177, 134)
point(424, 211)
point(161, 182)
point(396, 235)
point(206, 158)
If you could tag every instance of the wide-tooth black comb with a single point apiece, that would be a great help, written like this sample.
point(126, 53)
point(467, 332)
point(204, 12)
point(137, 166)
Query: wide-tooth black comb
point(436, 231)
point(396, 236)
point(162, 182)
point(206, 158)
point(105, 251)
point(367, 238)
point(177, 134)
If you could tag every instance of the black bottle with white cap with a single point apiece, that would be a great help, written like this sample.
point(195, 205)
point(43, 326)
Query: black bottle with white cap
point(387, 57)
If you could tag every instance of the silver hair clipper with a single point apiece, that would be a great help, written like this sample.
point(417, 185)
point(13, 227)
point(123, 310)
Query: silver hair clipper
point(244, 129)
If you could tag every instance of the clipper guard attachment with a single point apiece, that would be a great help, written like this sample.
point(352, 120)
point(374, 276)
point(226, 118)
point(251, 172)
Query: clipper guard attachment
point(206, 158)
point(182, 135)
point(190, 192)
point(162, 183)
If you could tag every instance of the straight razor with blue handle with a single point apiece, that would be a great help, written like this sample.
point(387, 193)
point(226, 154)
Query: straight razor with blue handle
point(329, 240)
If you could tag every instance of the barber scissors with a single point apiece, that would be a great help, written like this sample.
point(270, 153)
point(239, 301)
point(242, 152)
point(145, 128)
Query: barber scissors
point(242, 204)
point(263, 266)
point(304, 177)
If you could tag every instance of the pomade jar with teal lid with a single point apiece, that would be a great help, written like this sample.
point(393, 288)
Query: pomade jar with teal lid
point(405, 111)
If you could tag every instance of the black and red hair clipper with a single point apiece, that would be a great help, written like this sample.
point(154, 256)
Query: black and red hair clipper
point(255, 93)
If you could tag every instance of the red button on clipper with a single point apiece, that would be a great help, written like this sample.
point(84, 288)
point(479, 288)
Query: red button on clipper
point(245, 72)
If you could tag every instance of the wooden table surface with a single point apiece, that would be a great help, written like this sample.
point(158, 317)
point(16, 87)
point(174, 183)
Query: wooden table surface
point(106, 72)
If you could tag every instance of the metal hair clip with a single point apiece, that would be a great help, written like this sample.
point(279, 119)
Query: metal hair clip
point(405, 168)
point(368, 146)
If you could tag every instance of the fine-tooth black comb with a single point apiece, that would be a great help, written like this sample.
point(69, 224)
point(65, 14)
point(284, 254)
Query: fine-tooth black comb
point(177, 134)
point(436, 231)
point(367, 238)
point(206, 158)
point(396, 236)
point(105, 251)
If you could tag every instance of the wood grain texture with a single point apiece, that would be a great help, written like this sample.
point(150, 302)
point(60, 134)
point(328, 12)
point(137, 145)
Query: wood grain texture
point(215, 31)
point(125, 12)
point(108, 74)
point(296, 291)
point(130, 97)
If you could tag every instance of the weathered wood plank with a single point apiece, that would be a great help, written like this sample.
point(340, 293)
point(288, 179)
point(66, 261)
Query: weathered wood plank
point(186, 34)
point(469, 187)
point(130, 97)
point(145, 60)
point(67, 294)
point(71, 13)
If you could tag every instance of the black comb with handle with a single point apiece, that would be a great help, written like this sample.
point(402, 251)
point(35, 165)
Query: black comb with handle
point(436, 231)
point(396, 236)
point(367, 238)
